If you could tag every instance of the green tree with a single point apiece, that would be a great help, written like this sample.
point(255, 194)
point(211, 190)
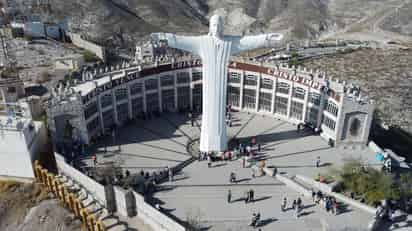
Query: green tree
point(294, 59)
point(372, 184)
point(89, 56)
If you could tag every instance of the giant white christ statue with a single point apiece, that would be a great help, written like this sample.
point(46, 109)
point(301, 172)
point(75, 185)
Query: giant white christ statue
point(215, 50)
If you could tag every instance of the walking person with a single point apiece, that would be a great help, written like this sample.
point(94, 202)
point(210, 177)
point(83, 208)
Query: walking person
point(283, 205)
point(94, 158)
point(318, 197)
point(251, 195)
point(299, 202)
point(313, 195)
point(191, 118)
point(229, 196)
point(299, 206)
point(294, 205)
point(318, 162)
point(246, 197)
point(253, 141)
point(170, 174)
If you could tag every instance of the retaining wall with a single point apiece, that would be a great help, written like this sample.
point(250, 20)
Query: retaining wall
point(327, 189)
point(90, 185)
point(157, 220)
point(293, 185)
point(321, 186)
point(77, 40)
point(120, 195)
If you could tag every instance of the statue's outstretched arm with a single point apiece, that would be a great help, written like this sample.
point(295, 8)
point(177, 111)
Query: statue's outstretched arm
point(255, 41)
point(186, 43)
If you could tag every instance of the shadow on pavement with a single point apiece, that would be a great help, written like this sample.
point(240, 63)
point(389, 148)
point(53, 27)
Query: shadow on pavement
point(266, 221)
point(243, 180)
point(262, 198)
point(306, 213)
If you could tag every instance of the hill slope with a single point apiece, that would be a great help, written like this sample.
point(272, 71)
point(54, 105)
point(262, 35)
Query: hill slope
point(125, 21)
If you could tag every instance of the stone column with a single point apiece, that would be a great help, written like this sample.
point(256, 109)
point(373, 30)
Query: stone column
point(305, 104)
point(116, 120)
point(175, 89)
point(159, 93)
point(144, 96)
point(99, 106)
point(323, 99)
point(191, 85)
point(242, 76)
point(129, 102)
point(292, 85)
point(339, 122)
point(272, 106)
point(258, 80)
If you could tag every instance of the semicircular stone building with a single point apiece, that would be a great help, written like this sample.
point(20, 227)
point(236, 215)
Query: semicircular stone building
point(110, 97)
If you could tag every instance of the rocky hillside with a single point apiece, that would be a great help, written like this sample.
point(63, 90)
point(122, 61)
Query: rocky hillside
point(127, 21)
point(28, 207)
point(384, 74)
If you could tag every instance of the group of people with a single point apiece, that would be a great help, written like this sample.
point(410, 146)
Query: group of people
point(329, 203)
point(248, 149)
point(249, 196)
point(297, 206)
point(255, 220)
point(239, 151)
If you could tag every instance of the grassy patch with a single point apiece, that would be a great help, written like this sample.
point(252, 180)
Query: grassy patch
point(372, 184)
point(89, 56)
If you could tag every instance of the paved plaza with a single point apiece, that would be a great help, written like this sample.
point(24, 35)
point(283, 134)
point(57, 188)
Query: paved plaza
point(199, 190)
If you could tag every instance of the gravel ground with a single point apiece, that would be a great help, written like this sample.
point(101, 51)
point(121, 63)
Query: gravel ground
point(27, 207)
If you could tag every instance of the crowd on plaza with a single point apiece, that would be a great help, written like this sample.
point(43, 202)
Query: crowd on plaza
point(329, 203)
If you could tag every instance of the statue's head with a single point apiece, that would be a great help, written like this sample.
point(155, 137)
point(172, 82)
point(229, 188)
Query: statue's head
point(216, 26)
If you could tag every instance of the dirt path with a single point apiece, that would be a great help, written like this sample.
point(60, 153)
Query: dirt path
point(368, 27)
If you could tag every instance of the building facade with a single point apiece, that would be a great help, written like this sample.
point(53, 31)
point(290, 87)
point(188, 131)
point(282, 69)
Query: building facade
point(22, 141)
point(297, 96)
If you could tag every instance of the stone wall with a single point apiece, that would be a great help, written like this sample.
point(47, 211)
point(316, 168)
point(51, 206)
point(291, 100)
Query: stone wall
point(94, 188)
point(157, 220)
point(328, 190)
point(151, 216)
point(77, 40)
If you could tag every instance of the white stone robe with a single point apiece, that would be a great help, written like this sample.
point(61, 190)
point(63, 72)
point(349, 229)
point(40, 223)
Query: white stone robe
point(215, 53)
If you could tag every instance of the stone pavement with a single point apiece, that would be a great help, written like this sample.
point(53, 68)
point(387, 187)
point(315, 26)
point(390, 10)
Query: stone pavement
point(154, 144)
point(147, 145)
point(202, 190)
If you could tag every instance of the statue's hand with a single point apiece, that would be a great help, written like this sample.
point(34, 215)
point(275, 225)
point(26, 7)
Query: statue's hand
point(274, 37)
point(157, 37)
